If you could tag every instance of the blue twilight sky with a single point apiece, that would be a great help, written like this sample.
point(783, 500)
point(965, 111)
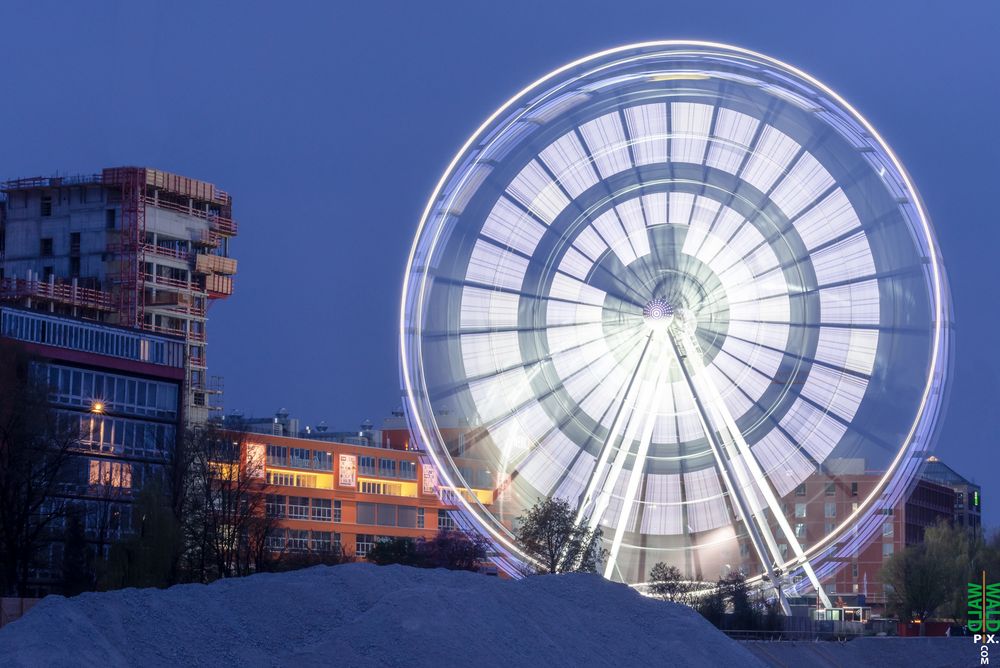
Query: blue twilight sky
point(331, 122)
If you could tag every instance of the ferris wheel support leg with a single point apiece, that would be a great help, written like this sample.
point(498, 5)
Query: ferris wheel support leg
point(757, 479)
point(754, 528)
point(651, 402)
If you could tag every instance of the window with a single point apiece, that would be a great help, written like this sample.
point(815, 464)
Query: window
point(887, 549)
point(800, 530)
point(854, 506)
point(46, 209)
point(386, 514)
point(408, 470)
point(366, 513)
point(320, 541)
point(74, 242)
point(298, 540)
point(47, 272)
point(276, 455)
point(854, 570)
point(445, 521)
point(366, 465)
point(299, 458)
point(406, 517)
point(420, 518)
point(887, 529)
point(276, 541)
point(800, 490)
point(828, 528)
point(74, 267)
point(831, 489)
point(274, 505)
point(110, 474)
point(298, 507)
point(321, 510)
point(323, 461)
point(384, 488)
point(854, 489)
point(45, 250)
point(337, 512)
point(363, 545)
point(284, 479)
point(109, 219)
point(387, 468)
point(800, 510)
point(829, 509)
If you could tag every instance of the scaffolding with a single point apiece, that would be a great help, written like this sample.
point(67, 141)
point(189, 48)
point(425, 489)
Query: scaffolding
point(152, 280)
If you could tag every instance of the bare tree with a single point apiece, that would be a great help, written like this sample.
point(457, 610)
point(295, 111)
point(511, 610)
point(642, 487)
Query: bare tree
point(35, 450)
point(550, 534)
point(226, 526)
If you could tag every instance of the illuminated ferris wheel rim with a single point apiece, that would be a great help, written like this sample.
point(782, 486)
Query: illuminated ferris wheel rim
point(937, 367)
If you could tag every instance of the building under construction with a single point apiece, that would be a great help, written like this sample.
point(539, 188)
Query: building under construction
point(131, 246)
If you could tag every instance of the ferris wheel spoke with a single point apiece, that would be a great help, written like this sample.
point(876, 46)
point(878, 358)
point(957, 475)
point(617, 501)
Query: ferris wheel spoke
point(629, 396)
point(749, 476)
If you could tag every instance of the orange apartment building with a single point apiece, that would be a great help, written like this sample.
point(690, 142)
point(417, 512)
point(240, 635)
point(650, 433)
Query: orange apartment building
point(325, 494)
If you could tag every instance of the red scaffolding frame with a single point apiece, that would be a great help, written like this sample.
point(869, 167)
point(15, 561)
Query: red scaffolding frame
point(132, 181)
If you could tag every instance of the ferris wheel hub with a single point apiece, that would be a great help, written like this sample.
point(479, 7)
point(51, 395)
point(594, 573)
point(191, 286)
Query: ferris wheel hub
point(658, 313)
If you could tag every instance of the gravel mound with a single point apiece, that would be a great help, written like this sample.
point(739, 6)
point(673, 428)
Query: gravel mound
point(365, 615)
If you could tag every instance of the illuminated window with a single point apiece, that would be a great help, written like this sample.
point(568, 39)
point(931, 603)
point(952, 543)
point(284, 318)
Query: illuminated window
point(887, 529)
point(285, 479)
point(384, 488)
point(800, 510)
point(408, 470)
point(800, 530)
point(110, 474)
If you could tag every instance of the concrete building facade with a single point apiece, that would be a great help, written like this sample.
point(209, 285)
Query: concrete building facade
point(131, 246)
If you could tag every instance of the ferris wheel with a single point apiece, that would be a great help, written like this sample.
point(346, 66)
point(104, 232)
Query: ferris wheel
point(670, 284)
